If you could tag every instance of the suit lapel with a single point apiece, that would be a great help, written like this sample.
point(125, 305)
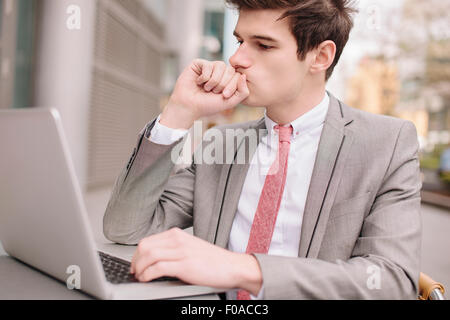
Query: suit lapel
point(231, 182)
point(334, 147)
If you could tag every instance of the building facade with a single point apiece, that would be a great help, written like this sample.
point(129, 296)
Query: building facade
point(106, 65)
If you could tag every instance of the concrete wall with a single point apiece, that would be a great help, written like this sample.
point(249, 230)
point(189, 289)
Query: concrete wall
point(63, 70)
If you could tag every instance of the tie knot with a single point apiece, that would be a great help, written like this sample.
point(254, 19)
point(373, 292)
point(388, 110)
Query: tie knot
point(284, 133)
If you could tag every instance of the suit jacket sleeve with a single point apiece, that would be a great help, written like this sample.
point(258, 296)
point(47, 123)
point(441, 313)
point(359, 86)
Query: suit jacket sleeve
point(385, 262)
point(145, 199)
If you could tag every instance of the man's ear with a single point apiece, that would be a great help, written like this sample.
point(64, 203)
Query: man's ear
point(324, 57)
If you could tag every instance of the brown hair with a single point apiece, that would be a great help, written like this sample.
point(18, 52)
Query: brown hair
point(312, 22)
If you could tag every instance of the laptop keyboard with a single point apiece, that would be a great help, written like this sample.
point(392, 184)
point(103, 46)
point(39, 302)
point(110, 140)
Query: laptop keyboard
point(118, 271)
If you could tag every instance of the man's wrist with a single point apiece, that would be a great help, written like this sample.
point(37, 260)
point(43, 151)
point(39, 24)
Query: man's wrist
point(249, 274)
point(163, 135)
point(176, 116)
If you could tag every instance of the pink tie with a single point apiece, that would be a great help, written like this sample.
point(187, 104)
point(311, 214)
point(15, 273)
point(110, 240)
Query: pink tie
point(269, 201)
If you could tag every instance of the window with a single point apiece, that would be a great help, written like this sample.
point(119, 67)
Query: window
point(17, 18)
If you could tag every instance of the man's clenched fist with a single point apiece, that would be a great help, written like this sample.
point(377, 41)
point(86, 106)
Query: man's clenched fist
point(204, 88)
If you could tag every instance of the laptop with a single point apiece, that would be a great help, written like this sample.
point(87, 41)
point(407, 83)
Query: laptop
point(43, 220)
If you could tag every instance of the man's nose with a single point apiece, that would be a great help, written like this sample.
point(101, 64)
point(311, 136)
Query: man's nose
point(240, 59)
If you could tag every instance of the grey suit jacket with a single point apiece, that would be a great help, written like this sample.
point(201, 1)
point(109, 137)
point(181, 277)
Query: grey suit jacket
point(361, 231)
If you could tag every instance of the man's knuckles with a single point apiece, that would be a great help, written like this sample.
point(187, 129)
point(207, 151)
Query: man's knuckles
point(155, 271)
point(219, 64)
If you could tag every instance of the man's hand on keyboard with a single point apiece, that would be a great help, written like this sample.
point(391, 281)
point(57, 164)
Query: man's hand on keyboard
point(175, 253)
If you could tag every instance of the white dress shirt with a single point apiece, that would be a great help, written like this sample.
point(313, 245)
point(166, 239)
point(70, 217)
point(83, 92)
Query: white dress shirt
point(304, 144)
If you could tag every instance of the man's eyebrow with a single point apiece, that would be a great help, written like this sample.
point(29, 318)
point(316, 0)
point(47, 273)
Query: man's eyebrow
point(257, 37)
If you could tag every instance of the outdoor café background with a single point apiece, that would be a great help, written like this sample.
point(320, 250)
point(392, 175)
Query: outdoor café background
point(112, 73)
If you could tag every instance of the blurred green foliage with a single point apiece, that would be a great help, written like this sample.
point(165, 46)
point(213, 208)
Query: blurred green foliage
point(445, 176)
point(432, 161)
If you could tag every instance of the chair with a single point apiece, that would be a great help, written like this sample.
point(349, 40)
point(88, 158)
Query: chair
point(430, 289)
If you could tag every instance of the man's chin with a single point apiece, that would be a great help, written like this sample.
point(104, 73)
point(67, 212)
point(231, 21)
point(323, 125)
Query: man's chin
point(249, 102)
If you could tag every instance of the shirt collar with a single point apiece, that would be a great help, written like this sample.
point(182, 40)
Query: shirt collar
point(306, 122)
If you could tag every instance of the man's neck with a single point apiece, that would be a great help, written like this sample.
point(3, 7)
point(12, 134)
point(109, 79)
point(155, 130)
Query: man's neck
point(286, 113)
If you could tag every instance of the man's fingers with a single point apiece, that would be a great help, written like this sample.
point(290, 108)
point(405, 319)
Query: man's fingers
point(204, 69)
point(168, 240)
point(230, 72)
point(216, 77)
point(241, 93)
point(231, 88)
point(153, 257)
point(133, 262)
point(157, 270)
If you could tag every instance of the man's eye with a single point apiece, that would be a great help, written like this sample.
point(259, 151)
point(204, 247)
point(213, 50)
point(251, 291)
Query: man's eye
point(264, 47)
point(260, 45)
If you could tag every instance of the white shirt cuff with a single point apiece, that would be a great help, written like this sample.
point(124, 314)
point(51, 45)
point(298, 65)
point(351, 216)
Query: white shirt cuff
point(163, 135)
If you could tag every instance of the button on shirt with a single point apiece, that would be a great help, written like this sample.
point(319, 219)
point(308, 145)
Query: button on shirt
point(304, 145)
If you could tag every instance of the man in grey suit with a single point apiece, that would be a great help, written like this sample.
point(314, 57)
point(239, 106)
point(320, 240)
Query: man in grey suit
point(347, 224)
